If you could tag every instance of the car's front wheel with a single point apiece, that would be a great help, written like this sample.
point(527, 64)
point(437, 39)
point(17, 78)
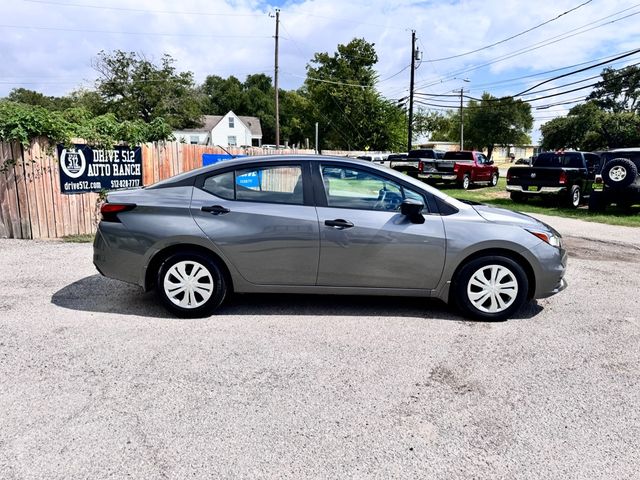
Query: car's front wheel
point(490, 288)
point(191, 284)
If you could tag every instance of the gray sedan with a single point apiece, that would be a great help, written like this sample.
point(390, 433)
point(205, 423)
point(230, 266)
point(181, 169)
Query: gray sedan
point(324, 225)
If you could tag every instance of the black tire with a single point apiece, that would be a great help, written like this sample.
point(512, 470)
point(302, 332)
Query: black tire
point(466, 182)
point(481, 309)
point(619, 173)
point(574, 198)
point(518, 197)
point(191, 263)
point(494, 179)
point(597, 202)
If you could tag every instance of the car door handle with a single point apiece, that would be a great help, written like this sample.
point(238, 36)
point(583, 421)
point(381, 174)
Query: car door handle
point(338, 223)
point(215, 210)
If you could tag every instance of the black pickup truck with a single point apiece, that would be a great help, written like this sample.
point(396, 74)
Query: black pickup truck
point(409, 163)
point(566, 177)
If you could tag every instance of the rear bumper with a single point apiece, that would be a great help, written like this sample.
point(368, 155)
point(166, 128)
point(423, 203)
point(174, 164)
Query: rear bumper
point(540, 191)
point(438, 176)
point(113, 258)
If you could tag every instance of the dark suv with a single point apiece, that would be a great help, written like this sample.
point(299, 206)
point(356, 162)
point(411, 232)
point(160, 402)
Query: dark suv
point(618, 181)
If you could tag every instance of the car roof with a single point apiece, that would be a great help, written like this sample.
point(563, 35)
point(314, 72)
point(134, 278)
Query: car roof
point(630, 149)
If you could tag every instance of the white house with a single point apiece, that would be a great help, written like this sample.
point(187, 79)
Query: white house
point(229, 130)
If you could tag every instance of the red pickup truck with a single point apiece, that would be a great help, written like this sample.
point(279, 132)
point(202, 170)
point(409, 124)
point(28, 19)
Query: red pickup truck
point(464, 167)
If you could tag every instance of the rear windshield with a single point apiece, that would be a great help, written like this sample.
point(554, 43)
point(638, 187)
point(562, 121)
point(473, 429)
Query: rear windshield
point(458, 156)
point(559, 160)
point(396, 157)
point(422, 154)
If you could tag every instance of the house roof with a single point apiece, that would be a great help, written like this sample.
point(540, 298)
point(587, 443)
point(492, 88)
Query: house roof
point(210, 121)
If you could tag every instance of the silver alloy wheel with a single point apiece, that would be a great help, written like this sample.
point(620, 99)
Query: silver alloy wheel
point(617, 173)
point(494, 180)
point(188, 284)
point(466, 181)
point(492, 288)
point(575, 197)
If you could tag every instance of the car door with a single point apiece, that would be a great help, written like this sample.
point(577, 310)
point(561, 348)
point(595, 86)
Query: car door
point(262, 219)
point(483, 169)
point(364, 239)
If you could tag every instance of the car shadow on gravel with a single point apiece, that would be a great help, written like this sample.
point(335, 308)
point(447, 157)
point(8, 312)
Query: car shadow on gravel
point(100, 294)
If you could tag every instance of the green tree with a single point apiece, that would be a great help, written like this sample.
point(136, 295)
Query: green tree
point(619, 90)
point(496, 121)
point(351, 114)
point(589, 127)
point(133, 88)
point(436, 125)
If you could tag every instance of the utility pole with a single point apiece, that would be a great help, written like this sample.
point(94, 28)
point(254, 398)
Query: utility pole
point(413, 67)
point(275, 81)
point(317, 148)
point(461, 121)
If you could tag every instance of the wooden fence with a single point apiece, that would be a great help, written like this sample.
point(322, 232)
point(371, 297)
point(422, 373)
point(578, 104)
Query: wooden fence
point(33, 207)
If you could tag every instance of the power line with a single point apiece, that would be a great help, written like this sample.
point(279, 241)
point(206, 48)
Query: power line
point(141, 10)
point(512, 36)
point(544, 43)
point(160, 34)
point(577, 71)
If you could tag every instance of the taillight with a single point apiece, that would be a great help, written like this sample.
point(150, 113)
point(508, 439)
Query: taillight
point(563, 178)
point(110, 211)
point(455, 167)
point(420, 166)
point(509, 175)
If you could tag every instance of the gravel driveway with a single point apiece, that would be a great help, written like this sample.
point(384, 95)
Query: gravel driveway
point(97, 382)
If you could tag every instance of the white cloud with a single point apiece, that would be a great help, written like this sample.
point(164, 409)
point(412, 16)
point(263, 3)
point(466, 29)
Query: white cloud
point(59, 60)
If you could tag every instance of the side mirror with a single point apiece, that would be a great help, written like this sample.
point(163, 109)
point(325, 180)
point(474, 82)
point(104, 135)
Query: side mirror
point(412, 209)
point(490, 162)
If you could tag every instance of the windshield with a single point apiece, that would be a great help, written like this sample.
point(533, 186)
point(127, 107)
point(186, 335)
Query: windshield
point(458, 156)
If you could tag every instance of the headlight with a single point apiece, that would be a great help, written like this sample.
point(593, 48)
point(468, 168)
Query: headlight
point(550, 238)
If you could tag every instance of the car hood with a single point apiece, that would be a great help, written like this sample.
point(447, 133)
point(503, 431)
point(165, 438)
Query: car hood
point(504, 216)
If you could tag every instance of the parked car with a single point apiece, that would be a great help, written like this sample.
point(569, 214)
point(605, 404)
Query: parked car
point(565, 177)
point(279, 224)
point(409, 163)
point(619, 181)
point(464, 167)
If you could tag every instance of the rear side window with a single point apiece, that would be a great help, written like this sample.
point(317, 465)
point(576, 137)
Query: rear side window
point(422, 154)
point(468, 156)
point(273, 184)
point(633, 156)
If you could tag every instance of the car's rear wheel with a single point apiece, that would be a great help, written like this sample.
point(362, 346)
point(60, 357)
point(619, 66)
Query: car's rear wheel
point(575, 197)
point(466, 182)
point(494, 179)
point(490, 288)
point(619, 173)
point(597, 202)
point(191, 284)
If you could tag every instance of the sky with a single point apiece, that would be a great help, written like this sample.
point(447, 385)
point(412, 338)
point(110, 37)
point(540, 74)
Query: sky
point(50, 45)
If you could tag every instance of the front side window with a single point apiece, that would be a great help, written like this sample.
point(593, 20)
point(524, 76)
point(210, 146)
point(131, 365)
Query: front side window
point(346, 187)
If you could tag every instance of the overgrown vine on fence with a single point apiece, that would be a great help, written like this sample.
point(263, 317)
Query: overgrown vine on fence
point(23, 123)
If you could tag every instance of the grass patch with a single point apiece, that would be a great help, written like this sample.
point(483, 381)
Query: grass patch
point(82, 238)
point(499, 197)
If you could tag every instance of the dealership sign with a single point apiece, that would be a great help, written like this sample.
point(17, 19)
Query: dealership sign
point(87, 169)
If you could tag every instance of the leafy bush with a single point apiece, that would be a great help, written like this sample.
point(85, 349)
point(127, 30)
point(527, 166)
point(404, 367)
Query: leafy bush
point(22, 123)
